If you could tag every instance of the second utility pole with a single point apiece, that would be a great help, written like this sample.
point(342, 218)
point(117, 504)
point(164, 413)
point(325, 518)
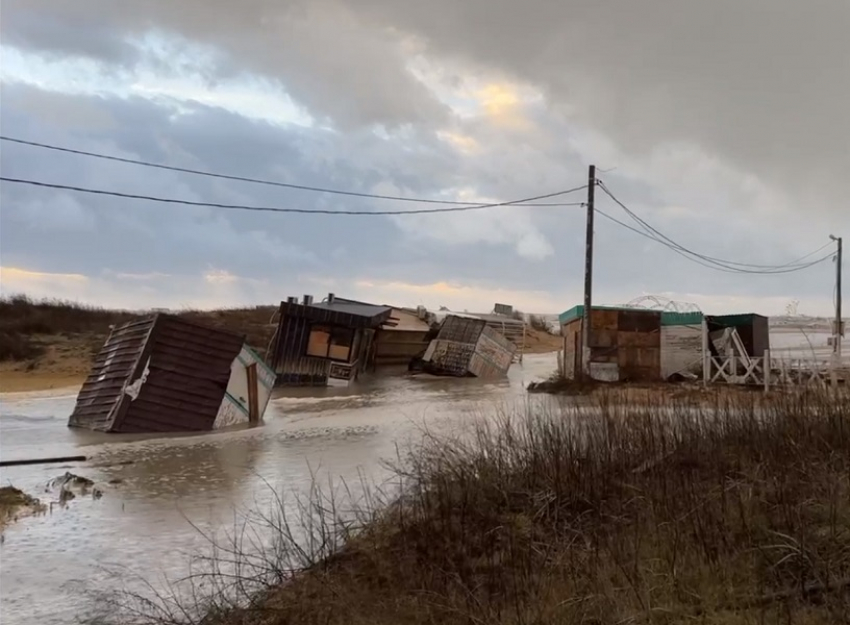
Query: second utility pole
point(839, 259)
point(588, 276)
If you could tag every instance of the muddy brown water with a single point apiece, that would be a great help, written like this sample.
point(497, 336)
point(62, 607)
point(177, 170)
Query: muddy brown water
point(158, 492)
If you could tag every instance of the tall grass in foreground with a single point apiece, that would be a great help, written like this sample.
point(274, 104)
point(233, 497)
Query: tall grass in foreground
point(735, 510)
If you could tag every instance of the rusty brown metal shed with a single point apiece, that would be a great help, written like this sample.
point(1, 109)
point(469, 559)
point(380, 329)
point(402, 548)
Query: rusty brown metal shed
point(158, 374)
point(625, 343)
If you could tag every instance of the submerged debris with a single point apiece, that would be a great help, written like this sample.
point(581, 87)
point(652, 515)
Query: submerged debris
point(70, 480)
point(14, 503)
point(560, 386)
point(70, 485)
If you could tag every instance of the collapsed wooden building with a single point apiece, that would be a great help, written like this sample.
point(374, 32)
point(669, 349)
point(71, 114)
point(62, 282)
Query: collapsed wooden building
point(468, 346)
point(325, 343)
point(333, 342)
point(161, 373)
point(402, 338)
point(501, 321)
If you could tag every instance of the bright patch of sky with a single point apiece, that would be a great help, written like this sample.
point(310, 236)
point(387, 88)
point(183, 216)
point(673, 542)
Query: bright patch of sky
point(171, 69)
point(469, 95)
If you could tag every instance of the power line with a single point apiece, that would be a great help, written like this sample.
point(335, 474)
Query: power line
point(655, 233)
point(716, 268)
point(272, 183)
point(711, 262)
point(271, 209)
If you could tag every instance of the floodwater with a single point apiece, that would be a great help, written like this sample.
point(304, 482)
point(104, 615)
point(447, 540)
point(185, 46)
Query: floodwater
point(159, 492)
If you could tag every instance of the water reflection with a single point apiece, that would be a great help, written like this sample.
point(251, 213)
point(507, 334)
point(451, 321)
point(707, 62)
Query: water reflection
point(157, 488)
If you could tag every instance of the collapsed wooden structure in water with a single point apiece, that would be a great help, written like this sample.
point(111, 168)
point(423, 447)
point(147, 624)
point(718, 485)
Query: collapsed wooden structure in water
point(467, 346)
point(333, 342)
point(162, 373)
point(325, 343)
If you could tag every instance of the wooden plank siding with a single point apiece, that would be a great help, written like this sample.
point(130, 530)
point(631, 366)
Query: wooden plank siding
point(625, 343)
point(176, 382)
point(290, 358)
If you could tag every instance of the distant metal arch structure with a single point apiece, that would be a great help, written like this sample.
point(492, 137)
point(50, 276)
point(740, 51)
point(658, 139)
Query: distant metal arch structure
point(664, 304)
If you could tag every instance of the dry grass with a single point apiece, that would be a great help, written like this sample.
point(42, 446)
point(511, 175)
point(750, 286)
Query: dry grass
point(737, 511)
point(51, 343)
point(61, 338)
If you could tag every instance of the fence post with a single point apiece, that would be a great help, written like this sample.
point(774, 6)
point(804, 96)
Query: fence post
point(766, 367)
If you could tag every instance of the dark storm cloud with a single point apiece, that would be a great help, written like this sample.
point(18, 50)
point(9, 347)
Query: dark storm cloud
point(328, 59)
point(762, 84)
point(67, 233)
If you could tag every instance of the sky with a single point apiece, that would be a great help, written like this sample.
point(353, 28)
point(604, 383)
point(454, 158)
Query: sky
point(722, 124)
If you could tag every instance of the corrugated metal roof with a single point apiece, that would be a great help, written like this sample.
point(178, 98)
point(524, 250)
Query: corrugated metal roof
point(489, 317)
point(185, 368)
point(342, 311)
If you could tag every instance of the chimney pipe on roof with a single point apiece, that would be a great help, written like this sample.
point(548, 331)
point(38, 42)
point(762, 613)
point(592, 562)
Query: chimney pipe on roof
point(291, 300)
point(308, 300)
point(331, 298)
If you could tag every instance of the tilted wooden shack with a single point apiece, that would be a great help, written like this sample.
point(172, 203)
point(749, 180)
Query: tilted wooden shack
point(325, 343)
point(467, 346)
point(402, 338)
point(162, 373)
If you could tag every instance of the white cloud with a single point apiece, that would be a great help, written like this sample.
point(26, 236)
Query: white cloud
point(711, 143)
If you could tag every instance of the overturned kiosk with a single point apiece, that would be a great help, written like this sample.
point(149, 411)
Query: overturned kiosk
point(468, 347)
point(162, 373)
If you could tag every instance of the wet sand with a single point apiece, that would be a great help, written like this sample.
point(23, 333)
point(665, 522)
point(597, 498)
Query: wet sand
point(15, 381)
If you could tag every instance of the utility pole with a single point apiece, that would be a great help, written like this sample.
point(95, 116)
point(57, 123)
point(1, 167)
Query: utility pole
point(588, 276)
point(837, 333)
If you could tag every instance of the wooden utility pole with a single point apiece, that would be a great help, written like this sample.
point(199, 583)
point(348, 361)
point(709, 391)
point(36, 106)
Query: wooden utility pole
point(588, 276)
point(838, 261)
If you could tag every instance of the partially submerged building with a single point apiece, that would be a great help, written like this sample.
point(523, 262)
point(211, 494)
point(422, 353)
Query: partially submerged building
point(505, 323)
point(644, 345)
point(325, 343)
point(402, 338)
point(162, 373)
point(468, 346)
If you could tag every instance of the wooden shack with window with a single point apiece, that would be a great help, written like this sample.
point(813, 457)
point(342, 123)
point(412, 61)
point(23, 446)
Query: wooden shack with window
point(329, 343)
